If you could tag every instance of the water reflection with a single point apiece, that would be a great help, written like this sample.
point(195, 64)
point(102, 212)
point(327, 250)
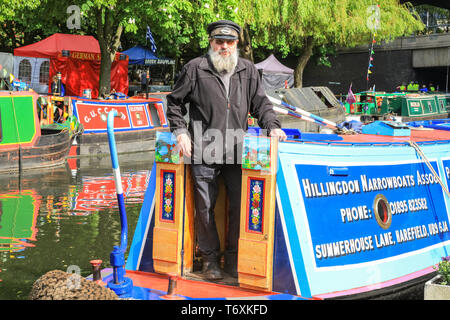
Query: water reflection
point(100, 192)
point(18, 215)
point(63, 217)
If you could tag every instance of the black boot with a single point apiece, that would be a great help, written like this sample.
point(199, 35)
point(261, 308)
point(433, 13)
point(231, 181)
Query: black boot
point(230, 265)
point(231, 270)
point(211, 270)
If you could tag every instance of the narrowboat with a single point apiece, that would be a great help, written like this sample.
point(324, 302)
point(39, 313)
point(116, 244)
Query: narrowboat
point(140, 118)
point(323, 216)
point(29, 137)
point(402, 106)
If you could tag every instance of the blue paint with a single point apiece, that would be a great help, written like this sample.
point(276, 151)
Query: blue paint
point(120, 284)
point(312, 216)
point(387, 128)
point(340, 208)
point(292, 234)
point(168, 198)
point(147, 263)
point(255, 210)
point(283, 279)
point(441, 124)
point(315, 219)
point(111, 138)
point(142, 224)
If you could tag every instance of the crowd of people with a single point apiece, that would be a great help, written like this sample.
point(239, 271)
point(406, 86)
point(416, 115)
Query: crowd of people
point(414, 86)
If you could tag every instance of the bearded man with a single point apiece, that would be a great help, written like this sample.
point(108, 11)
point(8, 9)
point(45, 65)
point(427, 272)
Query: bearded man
point(221, 89)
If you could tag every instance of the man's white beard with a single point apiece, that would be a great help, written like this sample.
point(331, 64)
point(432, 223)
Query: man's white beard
point(223, 63)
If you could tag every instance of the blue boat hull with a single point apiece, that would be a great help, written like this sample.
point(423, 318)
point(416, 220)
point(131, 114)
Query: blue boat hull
point(336, 243)
point(351, 219)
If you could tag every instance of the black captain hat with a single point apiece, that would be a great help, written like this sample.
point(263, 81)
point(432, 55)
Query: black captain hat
point(224, 29)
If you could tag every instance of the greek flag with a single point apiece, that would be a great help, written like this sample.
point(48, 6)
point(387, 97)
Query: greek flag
point(150, 38)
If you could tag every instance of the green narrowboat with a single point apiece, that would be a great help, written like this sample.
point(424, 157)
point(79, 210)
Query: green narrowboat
point(24, 144)
point(403, 106)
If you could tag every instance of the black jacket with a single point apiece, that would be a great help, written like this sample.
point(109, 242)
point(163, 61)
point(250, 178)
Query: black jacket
point(210, 108)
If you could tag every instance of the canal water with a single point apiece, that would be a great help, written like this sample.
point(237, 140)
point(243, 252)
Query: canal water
point(61, 218)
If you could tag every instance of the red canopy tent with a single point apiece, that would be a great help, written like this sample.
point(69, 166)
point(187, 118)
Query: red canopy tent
point(78, 59)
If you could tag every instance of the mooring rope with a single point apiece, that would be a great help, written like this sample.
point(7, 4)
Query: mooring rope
point(427, 162)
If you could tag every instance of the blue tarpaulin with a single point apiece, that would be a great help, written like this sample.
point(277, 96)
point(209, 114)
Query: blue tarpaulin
point(144, 56)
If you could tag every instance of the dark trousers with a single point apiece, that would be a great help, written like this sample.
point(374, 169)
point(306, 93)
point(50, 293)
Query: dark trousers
point(205, 179)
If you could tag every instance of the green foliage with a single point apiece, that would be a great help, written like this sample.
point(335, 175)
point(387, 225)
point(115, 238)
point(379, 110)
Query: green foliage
point(179, 26)
point(9, 10)
point(343, 23)
point(322, 54)
point(444, 271)
point(303, 28)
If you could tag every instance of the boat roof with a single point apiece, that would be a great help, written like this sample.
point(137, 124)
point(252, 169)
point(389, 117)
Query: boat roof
point(417, 135)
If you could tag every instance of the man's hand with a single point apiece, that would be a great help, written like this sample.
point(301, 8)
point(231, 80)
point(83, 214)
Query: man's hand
point(278, 133)
point(184, 144)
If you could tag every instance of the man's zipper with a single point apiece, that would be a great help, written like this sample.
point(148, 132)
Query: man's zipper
point(226, 125)
point(227, 96)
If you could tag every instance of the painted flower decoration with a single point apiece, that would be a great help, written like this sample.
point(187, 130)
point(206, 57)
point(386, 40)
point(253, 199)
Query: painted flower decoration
point(168, 196)
point(256, 206)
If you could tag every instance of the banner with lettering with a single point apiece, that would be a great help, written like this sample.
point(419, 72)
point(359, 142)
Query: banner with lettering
point(81, 71)
point(132, 115)
point(446, 164)
point(361, 213)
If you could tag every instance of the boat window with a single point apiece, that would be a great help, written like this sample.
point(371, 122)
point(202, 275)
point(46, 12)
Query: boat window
point(25, 71)
point(382, 211)
point(324, 99)
point(430, 108)
point(44, 72)
point(154, 114)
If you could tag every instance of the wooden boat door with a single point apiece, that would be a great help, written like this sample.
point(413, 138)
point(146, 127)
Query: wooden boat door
point(174, 227)
point(255, 253)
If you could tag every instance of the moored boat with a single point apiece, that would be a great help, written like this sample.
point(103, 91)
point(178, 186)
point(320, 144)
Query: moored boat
point(317, 100)
point(322, 216)
point(26, 143)
point(140, 118)
point(403, 106)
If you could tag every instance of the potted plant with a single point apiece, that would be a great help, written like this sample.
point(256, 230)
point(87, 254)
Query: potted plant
point(438, 288)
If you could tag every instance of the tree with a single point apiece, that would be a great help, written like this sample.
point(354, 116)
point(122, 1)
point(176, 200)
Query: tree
point(12, 21)
point(109, 19)
point(298, 27)
point(294, 27)
point(28, 21)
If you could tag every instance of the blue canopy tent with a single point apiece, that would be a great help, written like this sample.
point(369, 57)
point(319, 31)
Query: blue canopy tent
point(142, 56)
